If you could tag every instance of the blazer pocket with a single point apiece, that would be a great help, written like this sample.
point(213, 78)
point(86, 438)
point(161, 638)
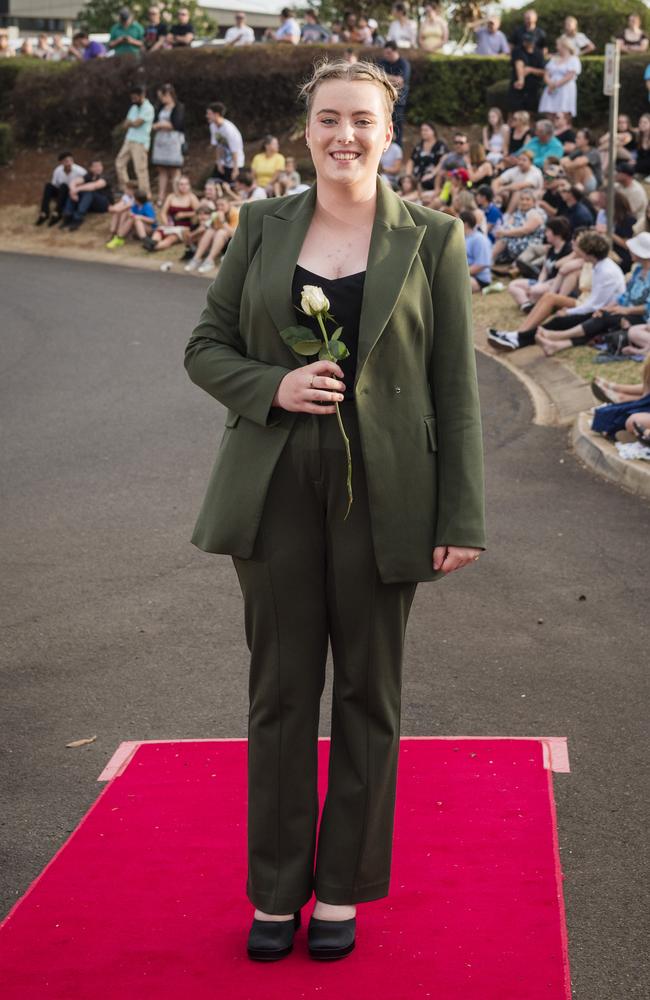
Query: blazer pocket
point(432, 437)
point(232, 418)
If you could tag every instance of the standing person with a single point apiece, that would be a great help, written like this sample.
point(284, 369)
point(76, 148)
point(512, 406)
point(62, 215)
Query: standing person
point(83, 49)
point(182, 33)
point(490, 40)
point(402, 29)
point(156, 30)
point(239, 33)
point(6, 48)
point(58, 188)
point(583, 45)
point(530, 27)
point(227, 141)
point(289, 31)
point(312, 31)
point(169, 140)
point(127, 36)
point(399, 69)
point(135, 148)
point(633, 39)
point(277, 497)
point(433, 31)
point(527, 73)
point(560, 75)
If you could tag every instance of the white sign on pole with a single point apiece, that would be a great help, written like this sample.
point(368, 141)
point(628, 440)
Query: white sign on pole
point(609, 78)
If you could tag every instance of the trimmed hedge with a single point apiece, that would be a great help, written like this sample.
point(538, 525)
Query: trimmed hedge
point(6, 143)
point(259, 87)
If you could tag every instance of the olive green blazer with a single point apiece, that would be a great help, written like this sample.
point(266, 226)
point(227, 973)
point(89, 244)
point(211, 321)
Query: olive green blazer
point(415, 388)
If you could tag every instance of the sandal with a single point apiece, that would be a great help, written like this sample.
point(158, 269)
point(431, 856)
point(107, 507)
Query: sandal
point(604, 395)
point(642, 434)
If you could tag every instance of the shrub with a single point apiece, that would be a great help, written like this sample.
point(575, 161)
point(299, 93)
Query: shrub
point(259, 85)
point(599, 21)
point(6, 143)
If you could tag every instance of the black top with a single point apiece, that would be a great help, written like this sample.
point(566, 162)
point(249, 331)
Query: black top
point(345, 297)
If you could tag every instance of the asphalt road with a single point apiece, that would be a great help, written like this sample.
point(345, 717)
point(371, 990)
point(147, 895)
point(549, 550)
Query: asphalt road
point(114, 624)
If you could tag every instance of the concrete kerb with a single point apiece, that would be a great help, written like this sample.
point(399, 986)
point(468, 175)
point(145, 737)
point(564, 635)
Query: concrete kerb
point(560, 397)
point(563, 399)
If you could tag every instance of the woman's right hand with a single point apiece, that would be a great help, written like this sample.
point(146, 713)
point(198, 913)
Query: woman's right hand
point(303, 388)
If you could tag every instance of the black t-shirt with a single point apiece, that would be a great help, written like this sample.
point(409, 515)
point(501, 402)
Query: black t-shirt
point(178, 30)
point(553, 256)
point(516, 144)
point(345, 297)
point(401, 67)
point(624, 229)
point(567, 136)
point(643, 161)
point(153, 32)
point(517, 38)
point(105, 191)
point(532, 83)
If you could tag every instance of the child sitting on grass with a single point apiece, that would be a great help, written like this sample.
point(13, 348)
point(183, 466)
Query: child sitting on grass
point(139, 219)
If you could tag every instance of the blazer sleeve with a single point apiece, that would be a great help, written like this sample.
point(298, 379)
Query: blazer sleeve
point(454, 385)
point(216, 357)
point(178, 117)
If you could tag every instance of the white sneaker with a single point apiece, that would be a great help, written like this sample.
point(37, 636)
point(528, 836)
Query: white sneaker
point(505, 340)
point(206, 267)
point(193, 264)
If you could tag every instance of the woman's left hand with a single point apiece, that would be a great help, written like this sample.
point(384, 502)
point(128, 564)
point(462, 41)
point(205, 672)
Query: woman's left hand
point(450, 557)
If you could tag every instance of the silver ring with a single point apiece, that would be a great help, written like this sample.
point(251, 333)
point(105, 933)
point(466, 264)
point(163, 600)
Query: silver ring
point(311, 383)
point(475, 558)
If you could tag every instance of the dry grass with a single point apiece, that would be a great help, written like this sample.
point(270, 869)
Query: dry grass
point(17, 232)
point(499, 310)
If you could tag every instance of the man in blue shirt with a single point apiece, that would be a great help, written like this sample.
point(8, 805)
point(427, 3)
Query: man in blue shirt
point(490, 41)
point(491, 211)
point(479, 252)
point(544, 143)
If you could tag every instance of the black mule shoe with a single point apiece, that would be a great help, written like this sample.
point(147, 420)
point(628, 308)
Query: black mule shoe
point(329, 939)
point(270, 940)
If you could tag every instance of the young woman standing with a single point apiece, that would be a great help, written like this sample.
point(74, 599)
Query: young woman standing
point(397, 281)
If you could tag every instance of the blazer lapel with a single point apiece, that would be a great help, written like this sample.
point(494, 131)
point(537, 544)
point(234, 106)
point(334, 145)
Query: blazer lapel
point(394, 242)
point(282, 237)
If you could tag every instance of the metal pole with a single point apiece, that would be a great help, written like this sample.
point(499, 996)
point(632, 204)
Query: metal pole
point(613, 124)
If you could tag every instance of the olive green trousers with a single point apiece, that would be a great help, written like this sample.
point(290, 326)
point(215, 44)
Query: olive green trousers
point(312, 577)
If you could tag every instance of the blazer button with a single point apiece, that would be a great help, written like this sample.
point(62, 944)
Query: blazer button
point(396, 389)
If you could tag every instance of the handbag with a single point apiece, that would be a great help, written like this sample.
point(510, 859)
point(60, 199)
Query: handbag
point(185, 146)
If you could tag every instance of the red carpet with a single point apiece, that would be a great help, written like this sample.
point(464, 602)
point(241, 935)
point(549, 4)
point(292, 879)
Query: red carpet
point(146, 900)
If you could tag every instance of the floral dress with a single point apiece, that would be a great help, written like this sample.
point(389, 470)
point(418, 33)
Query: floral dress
point(517, 244)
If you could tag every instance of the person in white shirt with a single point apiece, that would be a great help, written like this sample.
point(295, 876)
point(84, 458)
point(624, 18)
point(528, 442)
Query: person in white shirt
point(58, 187)
point(228, 142)
point(513, 180)
point(402, 30)
point(240, 33)
point(583, 45)
point(607, 283)
point(288, 32)
point(247, 189)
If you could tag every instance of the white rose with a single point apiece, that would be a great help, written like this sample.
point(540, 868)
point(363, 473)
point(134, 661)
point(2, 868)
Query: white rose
point(313, 300)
